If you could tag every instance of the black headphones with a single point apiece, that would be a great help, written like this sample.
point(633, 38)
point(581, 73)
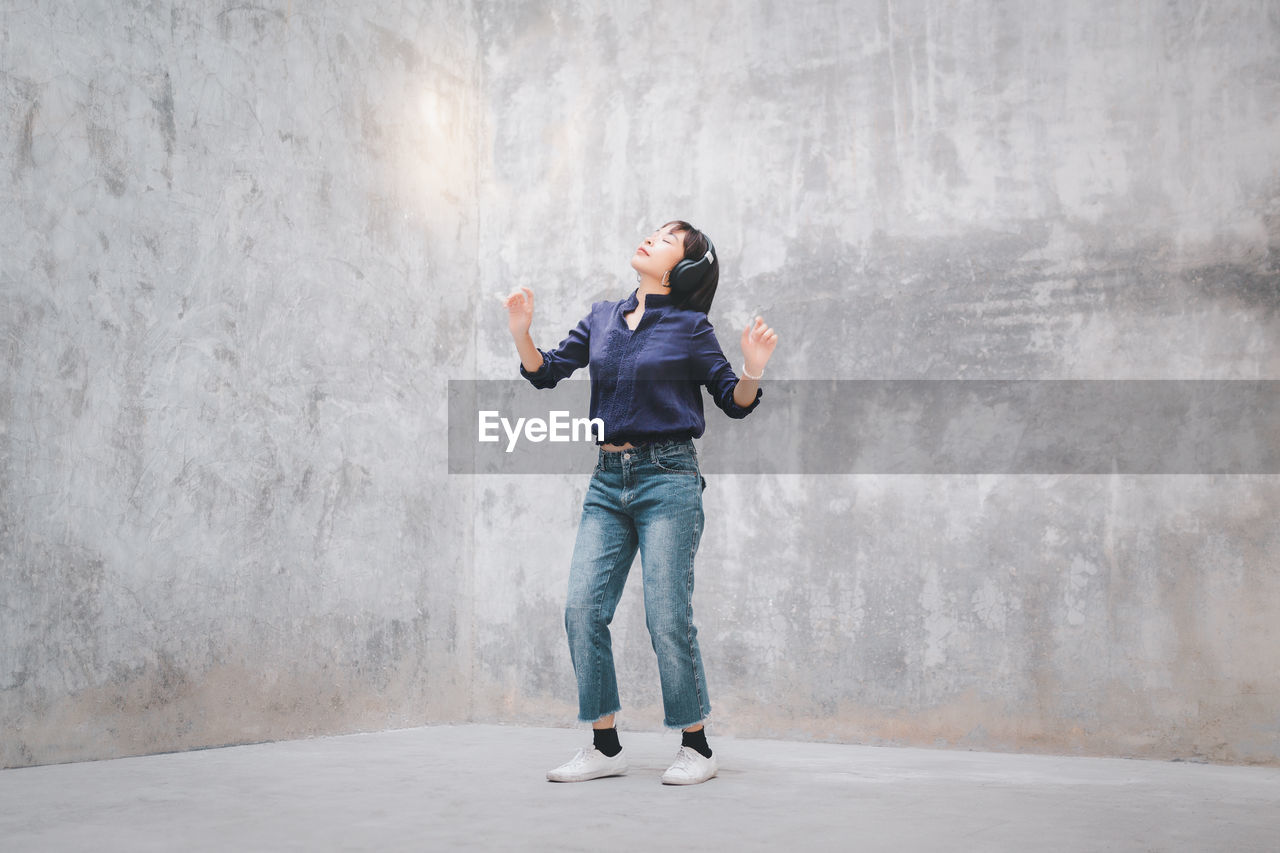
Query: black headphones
point(688, 274)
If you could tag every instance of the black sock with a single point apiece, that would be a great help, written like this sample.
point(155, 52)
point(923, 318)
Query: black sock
point(607, 741)
point(697, 741)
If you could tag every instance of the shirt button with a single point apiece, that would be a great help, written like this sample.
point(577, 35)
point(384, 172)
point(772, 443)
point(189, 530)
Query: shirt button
point(626, 456)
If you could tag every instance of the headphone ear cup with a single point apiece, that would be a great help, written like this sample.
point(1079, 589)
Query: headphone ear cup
point(688, 274)
point(684, 276)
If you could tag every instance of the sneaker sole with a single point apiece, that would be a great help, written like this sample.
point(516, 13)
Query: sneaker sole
point(687, 781)
point(551, 778)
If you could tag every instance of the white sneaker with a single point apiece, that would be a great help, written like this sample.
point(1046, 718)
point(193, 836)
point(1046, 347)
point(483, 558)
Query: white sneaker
point(589, 764)
point(690, 768)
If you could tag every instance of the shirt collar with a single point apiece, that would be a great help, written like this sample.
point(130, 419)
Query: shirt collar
point(653, 300)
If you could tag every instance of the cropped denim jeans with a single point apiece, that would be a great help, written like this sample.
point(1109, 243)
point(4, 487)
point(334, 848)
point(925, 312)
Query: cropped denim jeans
point(647, 498)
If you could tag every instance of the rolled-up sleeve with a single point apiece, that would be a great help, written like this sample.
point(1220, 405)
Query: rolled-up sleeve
point(573, 352)
point(716, 372)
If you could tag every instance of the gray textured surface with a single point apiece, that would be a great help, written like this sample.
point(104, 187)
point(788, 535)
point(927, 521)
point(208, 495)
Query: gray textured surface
point(242, 250)
point(225, 240)
point(484, 788)
point(913, 190)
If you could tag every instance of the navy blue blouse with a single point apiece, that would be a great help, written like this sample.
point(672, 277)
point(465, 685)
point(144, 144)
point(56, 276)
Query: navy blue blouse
point(646, 385)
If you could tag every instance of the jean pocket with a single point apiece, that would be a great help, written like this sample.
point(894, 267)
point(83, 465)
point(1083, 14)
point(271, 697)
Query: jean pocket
point(680, 461)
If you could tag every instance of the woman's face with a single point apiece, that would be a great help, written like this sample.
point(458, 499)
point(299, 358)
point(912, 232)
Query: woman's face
point(659, 252)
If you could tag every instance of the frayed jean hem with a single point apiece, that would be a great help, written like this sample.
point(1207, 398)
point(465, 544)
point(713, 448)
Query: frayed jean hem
point(683, 726)
point(602, 716)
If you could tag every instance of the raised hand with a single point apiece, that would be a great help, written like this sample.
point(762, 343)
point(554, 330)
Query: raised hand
point(758, 341)
point(519, 305)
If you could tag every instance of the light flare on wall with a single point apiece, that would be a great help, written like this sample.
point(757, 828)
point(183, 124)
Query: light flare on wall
point(440, 157)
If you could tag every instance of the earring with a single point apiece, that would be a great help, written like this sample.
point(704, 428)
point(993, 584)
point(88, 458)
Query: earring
point(666, 278)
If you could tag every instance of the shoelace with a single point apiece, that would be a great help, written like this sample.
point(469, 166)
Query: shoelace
point(685, 759)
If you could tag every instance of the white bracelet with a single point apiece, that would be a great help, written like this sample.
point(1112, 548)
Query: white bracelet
point(748, 375)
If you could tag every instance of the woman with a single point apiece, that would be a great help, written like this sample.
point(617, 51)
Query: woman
point(649, 355)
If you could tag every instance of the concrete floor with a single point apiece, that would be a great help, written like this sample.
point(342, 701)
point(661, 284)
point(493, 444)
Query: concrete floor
point(484, 787)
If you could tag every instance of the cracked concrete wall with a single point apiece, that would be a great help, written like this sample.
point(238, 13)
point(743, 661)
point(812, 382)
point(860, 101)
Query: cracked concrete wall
point(237, 246)
point(243, 248)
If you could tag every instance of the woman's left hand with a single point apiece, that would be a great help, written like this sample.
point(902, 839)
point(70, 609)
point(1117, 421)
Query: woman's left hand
point(758, 341)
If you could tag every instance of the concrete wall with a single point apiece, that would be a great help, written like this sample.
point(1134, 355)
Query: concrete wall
point(238, 249)
point(910, 189)
point(244, 249)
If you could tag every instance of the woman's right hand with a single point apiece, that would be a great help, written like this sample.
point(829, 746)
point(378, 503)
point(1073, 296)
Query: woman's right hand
point(519, 305)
